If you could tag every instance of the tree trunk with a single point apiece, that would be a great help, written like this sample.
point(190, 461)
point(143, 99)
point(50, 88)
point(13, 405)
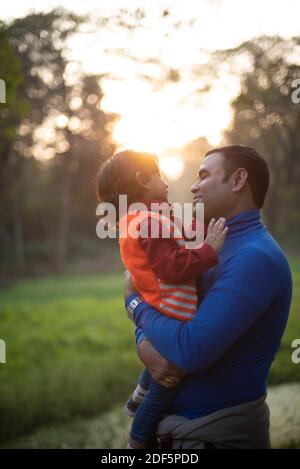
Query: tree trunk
point(63, 219)
point(18, 232)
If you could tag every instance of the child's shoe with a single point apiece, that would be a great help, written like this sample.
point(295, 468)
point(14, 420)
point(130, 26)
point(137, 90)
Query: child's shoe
point(135, 400)
point(131, 406)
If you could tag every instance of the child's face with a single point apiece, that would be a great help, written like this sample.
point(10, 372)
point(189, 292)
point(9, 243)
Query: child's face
point(157, 188)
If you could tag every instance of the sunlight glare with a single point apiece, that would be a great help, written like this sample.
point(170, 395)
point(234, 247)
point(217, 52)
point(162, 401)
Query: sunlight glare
point(172, 166)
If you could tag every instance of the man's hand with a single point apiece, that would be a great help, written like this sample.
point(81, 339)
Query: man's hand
point(163, 372)
point(129, 286)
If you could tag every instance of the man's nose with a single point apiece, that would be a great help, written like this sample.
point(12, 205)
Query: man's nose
point(194, 187)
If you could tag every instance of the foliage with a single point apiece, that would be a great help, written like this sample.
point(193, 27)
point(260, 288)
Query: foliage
point(267, 118)
point(43, 202)
point(70, 350)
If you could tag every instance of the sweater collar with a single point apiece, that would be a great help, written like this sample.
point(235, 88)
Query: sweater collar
point(243, 222)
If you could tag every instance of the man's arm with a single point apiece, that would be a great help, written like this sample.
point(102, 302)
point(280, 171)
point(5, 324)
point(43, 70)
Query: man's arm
point(158, 366)
point(246, 286)
point(160, 369)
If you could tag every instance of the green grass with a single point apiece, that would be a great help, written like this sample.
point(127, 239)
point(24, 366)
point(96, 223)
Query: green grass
point(109, 430)
point(283, 369)
point(71, 350)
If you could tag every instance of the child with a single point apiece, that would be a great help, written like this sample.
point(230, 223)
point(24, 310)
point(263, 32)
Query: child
point(163, 270)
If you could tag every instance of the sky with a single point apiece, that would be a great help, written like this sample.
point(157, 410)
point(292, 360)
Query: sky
point(158, 115)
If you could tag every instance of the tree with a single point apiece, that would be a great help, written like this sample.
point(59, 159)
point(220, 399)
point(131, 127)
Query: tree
point(266, 118)
point(64, 122)
point(12, 111)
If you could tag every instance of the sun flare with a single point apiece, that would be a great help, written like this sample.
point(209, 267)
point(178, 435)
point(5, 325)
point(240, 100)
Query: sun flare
point(171, 166)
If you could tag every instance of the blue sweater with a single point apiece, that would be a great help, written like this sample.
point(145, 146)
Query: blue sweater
point(228, 347)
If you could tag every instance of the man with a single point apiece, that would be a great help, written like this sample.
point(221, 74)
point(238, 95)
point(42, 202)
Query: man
point(227, 349)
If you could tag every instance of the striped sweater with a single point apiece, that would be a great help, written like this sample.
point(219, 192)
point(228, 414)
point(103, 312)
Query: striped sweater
point(163, 270)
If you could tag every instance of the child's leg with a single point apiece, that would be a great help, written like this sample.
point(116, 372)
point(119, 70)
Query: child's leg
point(138, 394)
point(144, 380)
point(149, 413)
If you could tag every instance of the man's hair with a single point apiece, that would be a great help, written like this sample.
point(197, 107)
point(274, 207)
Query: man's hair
point(117, 176)
point(241, 156)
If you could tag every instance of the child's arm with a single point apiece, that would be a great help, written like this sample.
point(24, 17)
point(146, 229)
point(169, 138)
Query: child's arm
point(175, 264)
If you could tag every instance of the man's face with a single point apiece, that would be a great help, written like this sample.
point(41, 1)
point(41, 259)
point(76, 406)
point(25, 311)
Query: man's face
point(210, 189)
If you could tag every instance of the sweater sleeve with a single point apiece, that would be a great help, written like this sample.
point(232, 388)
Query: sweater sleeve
point(175, 264)
point(243, 290)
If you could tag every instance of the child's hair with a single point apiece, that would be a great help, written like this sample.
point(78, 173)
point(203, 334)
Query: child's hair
point(117, 176)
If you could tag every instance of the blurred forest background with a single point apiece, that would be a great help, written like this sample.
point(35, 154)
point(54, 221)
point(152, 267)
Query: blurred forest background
point(61, 315)
point(47, 204)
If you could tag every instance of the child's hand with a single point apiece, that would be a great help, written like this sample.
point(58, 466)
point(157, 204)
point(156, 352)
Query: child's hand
point(216, 233)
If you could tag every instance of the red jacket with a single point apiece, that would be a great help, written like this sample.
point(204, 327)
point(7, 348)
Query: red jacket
point(163, 270)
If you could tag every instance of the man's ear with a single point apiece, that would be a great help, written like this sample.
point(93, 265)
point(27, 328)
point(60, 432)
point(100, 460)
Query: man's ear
point(140, 180)
point(240, 177)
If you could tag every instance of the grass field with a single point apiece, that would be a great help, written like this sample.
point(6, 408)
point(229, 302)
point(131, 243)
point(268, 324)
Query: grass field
point(110, 429)
point(71, 351)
